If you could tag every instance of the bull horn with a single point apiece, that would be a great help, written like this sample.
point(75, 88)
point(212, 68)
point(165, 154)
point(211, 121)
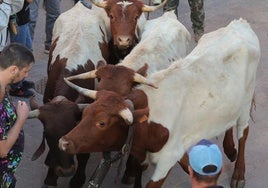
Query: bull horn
point(99, 3)
point(86, 75)
point(130, 104)
point(87, 92)
point(82, 106)
point(147, 8)
point(127, 116)
point(141, 79)
point(33, 114)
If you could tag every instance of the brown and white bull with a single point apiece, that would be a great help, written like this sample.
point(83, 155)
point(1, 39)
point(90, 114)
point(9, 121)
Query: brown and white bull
point(201, 96)
point(80, 42)
point(123, 18)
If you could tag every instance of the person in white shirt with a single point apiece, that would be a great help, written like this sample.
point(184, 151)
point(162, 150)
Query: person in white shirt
point(7, 8)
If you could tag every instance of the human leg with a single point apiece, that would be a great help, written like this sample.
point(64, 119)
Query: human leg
point(53, 11)
point(197, 17)
point(34, 6)
point(172, 5)
point(28, 38)
point(23, 36)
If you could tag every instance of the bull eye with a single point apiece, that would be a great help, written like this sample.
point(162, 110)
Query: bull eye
point(101, 124)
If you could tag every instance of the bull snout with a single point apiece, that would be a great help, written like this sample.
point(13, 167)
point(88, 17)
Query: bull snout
point(124, 41)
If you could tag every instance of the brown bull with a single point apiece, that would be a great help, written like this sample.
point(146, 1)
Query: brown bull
point(123, 17)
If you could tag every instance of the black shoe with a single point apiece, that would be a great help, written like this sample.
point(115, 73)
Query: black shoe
point(28, 84)
point(21, 93)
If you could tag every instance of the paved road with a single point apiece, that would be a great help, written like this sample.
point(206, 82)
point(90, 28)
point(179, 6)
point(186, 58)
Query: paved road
point(218, 14)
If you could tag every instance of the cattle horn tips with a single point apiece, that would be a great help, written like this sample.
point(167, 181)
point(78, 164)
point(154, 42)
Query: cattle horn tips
point(147, 8)
point(82, 106)
point(142, 80)
point(126, 114)
point(86, 75)
point(33, 114)
point(87, 92)
point(99, 3)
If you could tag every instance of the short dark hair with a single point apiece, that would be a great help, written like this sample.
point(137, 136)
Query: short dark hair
point(16, 54)
point(206, 178)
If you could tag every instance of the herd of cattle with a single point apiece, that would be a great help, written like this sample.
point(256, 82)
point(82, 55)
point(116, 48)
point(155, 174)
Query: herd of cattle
point(110, 69)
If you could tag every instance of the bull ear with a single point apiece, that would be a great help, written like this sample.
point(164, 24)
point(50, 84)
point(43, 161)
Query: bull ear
point(33, 103)
point(87, 92)
point(141, 115)
point(101, 64)
point(143, 70)
point(147, 8)
point(86, 75)
point(40, 150)
point(142, 80)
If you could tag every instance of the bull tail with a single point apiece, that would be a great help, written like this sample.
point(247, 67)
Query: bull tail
point(40, 149)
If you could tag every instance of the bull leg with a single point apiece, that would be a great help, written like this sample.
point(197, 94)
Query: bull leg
point(184, 163)
point(238, 178)
point(130, 172)
point(138, 179)
point(79, 178)
point(229, 145)
point(158, 184)
point(133, 172)
point(51, 179)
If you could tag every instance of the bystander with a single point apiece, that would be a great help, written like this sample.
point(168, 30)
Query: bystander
point(205, 164)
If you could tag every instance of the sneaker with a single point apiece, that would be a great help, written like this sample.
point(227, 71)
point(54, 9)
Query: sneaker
point(28, 84)
point(46, 51)
point(21, 93)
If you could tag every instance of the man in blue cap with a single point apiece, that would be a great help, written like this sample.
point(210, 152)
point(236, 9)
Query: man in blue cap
point(205, 165)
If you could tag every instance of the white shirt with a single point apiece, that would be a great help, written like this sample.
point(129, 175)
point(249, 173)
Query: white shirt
point(7, 8)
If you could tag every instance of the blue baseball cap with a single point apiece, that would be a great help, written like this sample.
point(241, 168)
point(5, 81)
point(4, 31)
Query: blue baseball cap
point(205, 154)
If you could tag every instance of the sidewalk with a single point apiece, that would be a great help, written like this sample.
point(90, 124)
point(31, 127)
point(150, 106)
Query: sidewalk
point(219, 13)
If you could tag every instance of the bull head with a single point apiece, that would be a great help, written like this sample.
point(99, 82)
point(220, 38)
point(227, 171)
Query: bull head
point(126, 114)
point(145, 8)
point(124, 15)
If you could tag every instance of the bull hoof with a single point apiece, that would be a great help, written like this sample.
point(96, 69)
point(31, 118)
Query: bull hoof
point(75, 185)
point(49, 186)
point(128, 180)
point(237, 183)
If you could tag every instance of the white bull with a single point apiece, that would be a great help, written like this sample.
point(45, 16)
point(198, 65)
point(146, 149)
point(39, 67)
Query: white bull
point(205, 94)
point(163, 41)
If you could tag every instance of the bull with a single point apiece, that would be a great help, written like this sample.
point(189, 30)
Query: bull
point(80, 43)
point(122, 20)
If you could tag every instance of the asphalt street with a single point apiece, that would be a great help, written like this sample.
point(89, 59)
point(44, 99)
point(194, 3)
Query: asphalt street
point(218, 13)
